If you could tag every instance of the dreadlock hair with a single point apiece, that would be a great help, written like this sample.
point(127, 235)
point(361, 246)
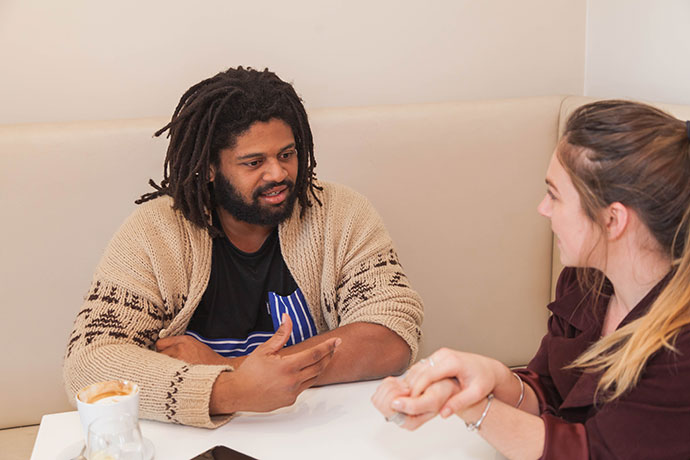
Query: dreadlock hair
point(209, 117)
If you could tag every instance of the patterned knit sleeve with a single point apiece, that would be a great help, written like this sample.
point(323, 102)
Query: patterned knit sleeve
point(372, 284)
point(120, 320)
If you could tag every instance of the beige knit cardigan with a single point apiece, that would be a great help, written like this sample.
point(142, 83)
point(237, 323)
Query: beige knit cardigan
point(156, 268)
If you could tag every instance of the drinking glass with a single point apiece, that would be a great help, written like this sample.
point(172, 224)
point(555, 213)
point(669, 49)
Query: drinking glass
point(115, 438)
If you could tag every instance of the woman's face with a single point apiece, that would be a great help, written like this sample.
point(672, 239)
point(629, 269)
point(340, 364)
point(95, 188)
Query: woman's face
point(576, 234)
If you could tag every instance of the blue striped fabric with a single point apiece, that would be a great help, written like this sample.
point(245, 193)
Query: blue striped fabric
point(295, 305)
point(231, 348)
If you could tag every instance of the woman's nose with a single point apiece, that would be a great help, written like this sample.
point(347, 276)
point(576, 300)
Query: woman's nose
point(544, 207)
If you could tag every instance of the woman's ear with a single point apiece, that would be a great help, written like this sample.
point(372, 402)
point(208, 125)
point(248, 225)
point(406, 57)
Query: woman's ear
point(617, 217)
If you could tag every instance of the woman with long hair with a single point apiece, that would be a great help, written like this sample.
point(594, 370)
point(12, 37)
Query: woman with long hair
point(611, 378)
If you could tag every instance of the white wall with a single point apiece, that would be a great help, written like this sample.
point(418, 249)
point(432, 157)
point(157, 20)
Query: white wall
point(92, 59)
point(639, 49)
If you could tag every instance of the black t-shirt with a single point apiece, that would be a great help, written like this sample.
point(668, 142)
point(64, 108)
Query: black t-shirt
point(234, 315)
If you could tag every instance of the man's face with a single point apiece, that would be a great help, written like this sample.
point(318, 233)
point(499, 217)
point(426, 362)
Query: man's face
point(255, 178)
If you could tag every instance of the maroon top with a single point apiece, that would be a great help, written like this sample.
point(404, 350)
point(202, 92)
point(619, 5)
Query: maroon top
point(651, 421)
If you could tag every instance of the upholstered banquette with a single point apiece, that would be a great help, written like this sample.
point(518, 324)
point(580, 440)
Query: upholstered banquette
point(456, 183)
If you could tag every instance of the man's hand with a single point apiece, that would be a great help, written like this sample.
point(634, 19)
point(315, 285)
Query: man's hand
point(267, 380)
point(189, 350)
point(369, 351)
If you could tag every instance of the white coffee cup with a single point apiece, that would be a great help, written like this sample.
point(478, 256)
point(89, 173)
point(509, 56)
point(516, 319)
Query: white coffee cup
point(107, 399)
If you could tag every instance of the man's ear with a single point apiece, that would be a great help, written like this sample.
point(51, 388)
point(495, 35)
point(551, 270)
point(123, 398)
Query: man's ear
point(617, 217)
point(212, 173)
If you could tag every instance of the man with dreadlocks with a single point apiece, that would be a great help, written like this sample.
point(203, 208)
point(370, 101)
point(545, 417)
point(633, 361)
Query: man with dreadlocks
point(242, 280)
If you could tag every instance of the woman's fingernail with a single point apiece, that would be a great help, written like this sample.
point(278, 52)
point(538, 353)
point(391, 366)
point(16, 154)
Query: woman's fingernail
point(397, 404)
point(445, 412)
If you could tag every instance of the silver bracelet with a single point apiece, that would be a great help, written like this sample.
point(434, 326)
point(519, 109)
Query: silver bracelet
point(522, 390)
point(476, 425)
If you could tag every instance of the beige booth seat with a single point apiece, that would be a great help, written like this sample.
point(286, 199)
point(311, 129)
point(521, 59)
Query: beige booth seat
point(457, 185)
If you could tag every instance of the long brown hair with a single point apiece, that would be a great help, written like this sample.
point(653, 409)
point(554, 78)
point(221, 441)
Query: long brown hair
point(639, 156)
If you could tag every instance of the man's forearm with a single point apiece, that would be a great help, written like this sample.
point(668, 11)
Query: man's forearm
point(368, 351)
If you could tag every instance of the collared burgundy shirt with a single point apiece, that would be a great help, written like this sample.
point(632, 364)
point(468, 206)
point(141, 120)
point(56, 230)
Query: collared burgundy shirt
point(651, 421)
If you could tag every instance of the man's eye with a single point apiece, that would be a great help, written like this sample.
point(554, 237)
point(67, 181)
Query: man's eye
point(253, 164)
point(287, 155)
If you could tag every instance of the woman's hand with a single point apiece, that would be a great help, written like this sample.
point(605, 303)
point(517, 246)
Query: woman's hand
point(476, 375)
point(392, 397)
point(390, 389)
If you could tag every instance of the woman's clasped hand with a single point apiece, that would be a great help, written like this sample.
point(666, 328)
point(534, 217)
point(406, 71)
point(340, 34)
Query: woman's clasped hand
point(447, 382)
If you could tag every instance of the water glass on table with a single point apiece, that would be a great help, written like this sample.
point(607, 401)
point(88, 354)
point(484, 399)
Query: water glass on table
point(115, 438)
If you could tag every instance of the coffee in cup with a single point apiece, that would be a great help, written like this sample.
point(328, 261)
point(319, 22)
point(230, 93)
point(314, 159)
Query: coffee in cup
point(107, 399)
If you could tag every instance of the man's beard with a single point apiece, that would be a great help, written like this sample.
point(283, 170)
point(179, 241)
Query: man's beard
point(227, 196)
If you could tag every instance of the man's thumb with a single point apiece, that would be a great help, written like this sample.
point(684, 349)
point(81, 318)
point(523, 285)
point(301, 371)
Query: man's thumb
point(281, 336)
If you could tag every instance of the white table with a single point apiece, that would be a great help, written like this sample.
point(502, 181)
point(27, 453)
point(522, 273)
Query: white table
point(334, 422)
